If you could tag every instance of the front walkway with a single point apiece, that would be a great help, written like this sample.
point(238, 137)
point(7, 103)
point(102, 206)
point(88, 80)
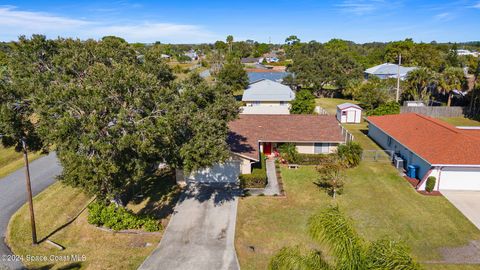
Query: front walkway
point(272, 188)
point(201, 232)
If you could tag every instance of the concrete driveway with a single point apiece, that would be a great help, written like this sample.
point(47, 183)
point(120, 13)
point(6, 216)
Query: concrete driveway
point(468, 202)
point(13, 195)
point(201, 231)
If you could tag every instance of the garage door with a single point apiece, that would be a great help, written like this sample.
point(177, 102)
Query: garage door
point(221, 173)
point(460, 179)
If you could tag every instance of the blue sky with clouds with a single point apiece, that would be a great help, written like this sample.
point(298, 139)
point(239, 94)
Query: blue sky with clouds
point(206, 21)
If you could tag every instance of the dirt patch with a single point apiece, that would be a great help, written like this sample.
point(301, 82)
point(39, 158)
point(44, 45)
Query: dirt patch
point(468, 254)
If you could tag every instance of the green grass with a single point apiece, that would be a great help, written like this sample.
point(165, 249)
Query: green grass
point(11, 161)
point(376, 198)
point(330, 104)
point(58, 204)
point(460, 121)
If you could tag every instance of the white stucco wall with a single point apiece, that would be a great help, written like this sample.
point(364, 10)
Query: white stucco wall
point(409, 157)
point(305, 148)
point(354, 115)
point(266, 103)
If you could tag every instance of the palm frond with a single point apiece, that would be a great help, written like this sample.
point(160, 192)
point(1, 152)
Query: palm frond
point(389, 254)
point(333, 228)
point(292, 258)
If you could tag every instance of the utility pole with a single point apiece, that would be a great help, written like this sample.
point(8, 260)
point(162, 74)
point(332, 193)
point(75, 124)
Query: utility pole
point(29, 192)
point(398, 77)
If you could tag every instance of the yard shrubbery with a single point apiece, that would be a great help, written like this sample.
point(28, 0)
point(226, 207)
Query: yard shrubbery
point(430, 185)
point(258, 177)
point(314, 159)
point(350, 154)
point(119, 218)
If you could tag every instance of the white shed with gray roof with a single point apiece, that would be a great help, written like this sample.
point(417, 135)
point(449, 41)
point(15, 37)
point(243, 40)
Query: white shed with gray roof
point(349, 113)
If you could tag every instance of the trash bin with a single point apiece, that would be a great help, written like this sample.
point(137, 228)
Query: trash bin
point(412, 171)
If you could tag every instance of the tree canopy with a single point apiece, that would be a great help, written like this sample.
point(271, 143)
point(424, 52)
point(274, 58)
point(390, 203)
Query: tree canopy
point(112, 115)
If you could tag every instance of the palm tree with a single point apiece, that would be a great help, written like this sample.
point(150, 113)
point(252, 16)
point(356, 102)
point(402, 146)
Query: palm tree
point(350, 251)
point(230, 43)
point(418, 83)
point(452, 78)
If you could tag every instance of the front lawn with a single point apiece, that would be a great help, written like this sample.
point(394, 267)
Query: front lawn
point(58, 204)
point(10, 160)
point(330, 104)
point(380, 202)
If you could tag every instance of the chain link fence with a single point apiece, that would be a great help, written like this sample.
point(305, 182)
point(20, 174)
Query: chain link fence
point(378, 155)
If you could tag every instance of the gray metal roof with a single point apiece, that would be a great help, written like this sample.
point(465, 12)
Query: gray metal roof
point(348, 105)
point(388, 69)
point(267, 90)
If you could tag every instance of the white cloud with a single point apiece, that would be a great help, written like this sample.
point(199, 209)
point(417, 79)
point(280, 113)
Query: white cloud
point(443, 16)
point(477, 5)
point(14, 23)
point(360, 7)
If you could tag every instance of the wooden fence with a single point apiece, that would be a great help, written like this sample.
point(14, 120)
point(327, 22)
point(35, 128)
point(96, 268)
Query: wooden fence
point(436, 111)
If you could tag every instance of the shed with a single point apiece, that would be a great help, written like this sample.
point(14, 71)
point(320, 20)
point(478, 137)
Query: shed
point(349, 113)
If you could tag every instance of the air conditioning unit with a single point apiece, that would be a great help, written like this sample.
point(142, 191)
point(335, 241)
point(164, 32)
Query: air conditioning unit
point(398, 162)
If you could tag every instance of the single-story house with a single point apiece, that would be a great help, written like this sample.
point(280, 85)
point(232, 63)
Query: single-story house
point(266, 92)
point(251, 135)
point(251, 60)
point(388, 70)
point(436, 148)
point(349, 113)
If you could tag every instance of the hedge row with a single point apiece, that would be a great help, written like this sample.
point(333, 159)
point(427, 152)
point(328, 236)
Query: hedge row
point(313, 159)
point(258, 177)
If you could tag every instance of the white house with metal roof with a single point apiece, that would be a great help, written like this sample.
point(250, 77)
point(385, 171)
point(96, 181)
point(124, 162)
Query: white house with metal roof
point(388, 70)
point(269, 94)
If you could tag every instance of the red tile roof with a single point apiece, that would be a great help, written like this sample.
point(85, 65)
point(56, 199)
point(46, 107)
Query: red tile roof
point(249, 129)
point(437, 142)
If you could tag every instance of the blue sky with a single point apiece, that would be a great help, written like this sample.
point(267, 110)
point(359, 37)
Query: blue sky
point(261, 20)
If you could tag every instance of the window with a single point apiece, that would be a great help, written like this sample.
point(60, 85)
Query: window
point(389, 141)
point(321, 148)
point(344, 112)
point(256, 103)
point(283, 103)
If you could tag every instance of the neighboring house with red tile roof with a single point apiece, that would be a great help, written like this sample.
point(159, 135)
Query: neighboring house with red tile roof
point(449, 153)
point(251, 135)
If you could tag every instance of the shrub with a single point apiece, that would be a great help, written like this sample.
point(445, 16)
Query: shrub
point(289, 152)
point(304, 103)
point(119, 218)
point(391, 107)
point(314, 159)
point(350, 154)
point(430, 185)
point(258, 177)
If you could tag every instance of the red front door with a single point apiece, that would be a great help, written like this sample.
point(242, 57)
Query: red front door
point(267, 148)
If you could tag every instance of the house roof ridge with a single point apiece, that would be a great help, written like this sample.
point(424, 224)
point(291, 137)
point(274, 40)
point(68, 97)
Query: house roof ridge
point(439, 123)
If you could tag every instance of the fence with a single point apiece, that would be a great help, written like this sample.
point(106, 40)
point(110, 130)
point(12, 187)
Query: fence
point(377, 155)
point(320, 110)
point(436, 111)
point(347, 135)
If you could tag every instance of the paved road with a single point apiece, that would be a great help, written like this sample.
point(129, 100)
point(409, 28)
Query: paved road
point(13, 194)
point(468, 202)
point(201, 232)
